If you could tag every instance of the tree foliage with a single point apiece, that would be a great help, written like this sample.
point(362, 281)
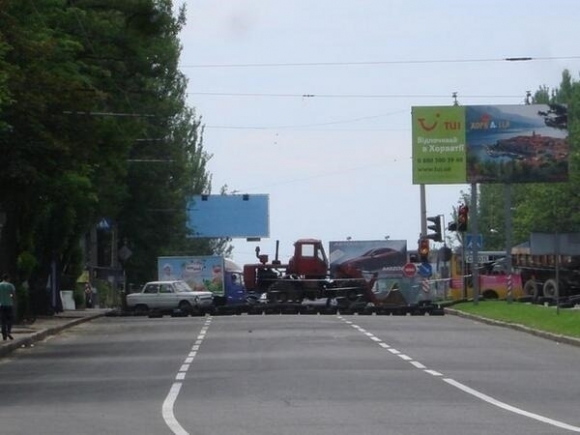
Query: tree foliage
point(538, 207)
point(93, 125)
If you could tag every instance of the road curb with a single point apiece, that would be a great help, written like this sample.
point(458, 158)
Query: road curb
point(543, 334)
point(9, 347)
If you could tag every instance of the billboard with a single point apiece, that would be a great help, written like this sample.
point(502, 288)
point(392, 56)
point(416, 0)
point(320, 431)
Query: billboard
point(490, 144)
point(439, 145)
point(202, 273)
point(228, 216)
point(517, 144)
point(368, 255)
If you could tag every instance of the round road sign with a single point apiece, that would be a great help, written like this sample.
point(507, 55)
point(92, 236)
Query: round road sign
point(409, 270)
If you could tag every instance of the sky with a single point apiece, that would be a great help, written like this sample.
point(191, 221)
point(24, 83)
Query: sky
point(309, 101)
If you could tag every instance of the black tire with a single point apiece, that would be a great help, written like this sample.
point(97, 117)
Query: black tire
point(352, 295)
point(282, 291)
point(531, 288)
point(185, 308)
point(550, 288)
point(141, 310)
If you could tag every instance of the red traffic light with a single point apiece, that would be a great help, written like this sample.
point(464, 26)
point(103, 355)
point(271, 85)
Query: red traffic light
point(462, 216)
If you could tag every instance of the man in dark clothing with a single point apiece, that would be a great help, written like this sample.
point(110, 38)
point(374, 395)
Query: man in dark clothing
point(7, 292)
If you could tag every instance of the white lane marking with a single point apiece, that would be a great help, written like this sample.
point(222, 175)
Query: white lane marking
point(511, 408)
point(418, 365)
point(169, 402)
point(375, 339)
point(167, 410)
point(468, 390)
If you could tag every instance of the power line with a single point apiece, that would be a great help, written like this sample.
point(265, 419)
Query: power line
point(319, 124)
point(385, 62)
point(282, 95)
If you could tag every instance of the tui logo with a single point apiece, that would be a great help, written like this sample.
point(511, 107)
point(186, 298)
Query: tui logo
point(426, 127)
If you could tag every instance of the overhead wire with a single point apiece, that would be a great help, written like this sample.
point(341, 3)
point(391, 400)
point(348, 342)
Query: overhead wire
point(310, 95)
point(383, 62)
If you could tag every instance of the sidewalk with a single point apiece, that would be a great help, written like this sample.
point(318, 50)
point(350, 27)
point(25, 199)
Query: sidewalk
point(44, 326)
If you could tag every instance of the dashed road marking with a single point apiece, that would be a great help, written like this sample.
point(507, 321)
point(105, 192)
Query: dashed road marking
point(169, 402)
point(462, 387)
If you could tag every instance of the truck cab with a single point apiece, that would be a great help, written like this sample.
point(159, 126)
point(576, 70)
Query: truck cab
point(309, 259)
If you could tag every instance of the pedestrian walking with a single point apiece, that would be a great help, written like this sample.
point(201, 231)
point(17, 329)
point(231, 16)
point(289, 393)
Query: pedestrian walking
point(88, 295)
point(7, 292)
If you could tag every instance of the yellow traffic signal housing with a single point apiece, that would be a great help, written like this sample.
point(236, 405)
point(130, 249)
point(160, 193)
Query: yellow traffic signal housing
point(424, 250)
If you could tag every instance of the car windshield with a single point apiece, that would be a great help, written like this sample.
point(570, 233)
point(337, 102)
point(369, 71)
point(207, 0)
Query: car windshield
point(182, 286)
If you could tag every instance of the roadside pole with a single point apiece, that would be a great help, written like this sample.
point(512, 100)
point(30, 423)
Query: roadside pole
point(474, 242)
point(508, 241)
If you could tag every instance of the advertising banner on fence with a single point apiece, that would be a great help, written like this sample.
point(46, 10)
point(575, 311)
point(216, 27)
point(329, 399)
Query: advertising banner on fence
point(368, 256)
point(202, 273)
point(490, 144)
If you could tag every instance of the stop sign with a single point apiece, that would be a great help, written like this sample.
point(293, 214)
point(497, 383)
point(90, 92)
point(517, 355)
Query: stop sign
point(409, 270)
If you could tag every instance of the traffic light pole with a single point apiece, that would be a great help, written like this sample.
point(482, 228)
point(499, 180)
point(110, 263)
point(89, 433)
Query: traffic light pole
point(423, 212)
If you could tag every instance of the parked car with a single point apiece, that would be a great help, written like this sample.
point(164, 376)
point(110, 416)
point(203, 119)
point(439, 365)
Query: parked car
point(168, 297)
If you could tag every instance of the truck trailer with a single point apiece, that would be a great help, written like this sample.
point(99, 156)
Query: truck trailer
point(549, 266)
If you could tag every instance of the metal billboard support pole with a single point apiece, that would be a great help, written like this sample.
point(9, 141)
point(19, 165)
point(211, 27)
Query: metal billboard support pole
point(508, 241)
point(423, 212)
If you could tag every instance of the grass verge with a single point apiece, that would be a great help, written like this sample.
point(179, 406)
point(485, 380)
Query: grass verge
point(566, 322)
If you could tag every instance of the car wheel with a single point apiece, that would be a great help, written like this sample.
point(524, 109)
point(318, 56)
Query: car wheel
point(185, 308)
point(141, 310)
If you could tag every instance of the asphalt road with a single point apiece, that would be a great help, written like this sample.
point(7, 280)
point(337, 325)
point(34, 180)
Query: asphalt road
point(288, 375)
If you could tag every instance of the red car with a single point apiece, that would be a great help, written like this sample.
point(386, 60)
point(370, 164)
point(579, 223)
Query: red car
point(377, 258)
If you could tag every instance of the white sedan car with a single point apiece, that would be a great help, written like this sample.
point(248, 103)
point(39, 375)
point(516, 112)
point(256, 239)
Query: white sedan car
point(169, 297)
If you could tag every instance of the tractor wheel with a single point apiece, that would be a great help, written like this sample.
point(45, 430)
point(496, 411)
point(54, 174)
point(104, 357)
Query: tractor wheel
point(283, 291)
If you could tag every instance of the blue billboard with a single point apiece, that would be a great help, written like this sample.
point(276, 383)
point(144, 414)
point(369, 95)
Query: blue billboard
point(214, 216)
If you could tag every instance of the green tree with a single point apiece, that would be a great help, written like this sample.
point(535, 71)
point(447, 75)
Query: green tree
point(93, 125)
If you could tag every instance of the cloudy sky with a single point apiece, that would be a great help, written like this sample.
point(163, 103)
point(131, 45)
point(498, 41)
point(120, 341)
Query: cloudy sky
point(309, 101)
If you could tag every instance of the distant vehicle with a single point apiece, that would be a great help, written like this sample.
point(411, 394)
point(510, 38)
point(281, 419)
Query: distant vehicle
point(167, 297)
point(493, 280)
point(377, 258)
point(549, 266)
point(214, 273)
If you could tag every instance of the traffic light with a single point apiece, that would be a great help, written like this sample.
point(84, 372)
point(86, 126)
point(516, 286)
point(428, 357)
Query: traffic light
point(424, 250)
point(436, 227)
point(462, 218)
